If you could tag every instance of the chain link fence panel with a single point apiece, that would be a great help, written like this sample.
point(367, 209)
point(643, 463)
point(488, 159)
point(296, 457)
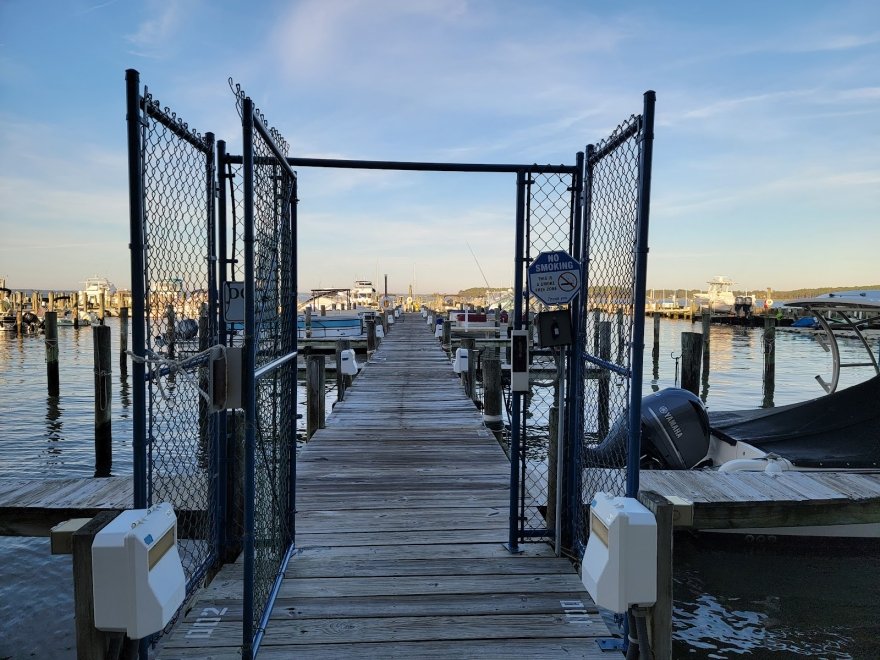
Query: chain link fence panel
point(549, 213)
point(274, 344)
point(178, 216)
point(610, 232)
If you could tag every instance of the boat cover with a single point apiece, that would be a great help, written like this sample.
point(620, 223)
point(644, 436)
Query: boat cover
point(839, 430)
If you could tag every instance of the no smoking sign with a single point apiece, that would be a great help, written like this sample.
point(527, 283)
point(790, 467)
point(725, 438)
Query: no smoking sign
point(554, 277)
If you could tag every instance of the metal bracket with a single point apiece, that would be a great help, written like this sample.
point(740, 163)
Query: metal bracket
point(610, 643)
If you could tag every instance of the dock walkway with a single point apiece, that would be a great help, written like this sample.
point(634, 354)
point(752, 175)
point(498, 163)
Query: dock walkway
point(402, 510)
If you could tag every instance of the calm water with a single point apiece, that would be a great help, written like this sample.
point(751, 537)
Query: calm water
point(731, 600)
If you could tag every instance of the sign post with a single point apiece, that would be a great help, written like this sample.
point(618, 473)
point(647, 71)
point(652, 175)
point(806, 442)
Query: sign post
point(555, 277)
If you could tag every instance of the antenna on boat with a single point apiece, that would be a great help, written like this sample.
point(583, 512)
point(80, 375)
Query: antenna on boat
point(488, 286)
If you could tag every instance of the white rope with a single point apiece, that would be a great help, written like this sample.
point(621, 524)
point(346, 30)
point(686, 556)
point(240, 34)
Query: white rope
point(155, 363)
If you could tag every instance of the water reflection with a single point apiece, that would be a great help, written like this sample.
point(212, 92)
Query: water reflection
point(784, 606)
point(124, 391)
point(54, 427)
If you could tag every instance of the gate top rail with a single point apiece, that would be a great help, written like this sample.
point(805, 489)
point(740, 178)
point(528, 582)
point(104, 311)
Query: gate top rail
point(402, 165)
point(169, 119)
point(621, 134)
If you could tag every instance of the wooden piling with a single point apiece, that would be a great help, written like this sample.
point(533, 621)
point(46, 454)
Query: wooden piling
point(604, 378)
point(103, 398)
point(469, 375)
point(691, 352)
point(314, 394)
point(50, 306)
point(655, 352)
point(492, 394)
point(234, 471)
point(19, 322)
point(204, 370)
point(308, 322)
point(323, 310)
point(123, 340)
point(660, 616)
point(50, 327)
point(102, 306)
point(371, 334)
point(342, 381)
point(446, 339)
point(171, 330)
point(621, 338)
point(769, 341)
point(90, 642)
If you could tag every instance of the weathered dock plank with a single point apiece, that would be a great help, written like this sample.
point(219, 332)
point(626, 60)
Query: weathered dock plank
point(31, 507)
point(743, 500)
point(402, 505)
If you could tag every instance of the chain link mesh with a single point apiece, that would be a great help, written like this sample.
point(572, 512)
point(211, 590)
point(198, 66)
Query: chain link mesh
point(611, 188)
point(178, 255)
point(275, 337)
point(548, 229)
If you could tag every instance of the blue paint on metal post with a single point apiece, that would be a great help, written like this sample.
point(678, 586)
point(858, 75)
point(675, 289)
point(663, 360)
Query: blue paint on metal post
point(291, 504)
point(249, 398)
point(222, 432)
point(138, 315)
point(570, 488)
point(515, 430)
point(212, 312)
point(638, 345)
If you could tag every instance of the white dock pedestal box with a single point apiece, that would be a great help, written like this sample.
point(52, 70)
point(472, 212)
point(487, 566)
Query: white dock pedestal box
point(349, 362)
point(620, 562)
point(138, 582)
point(460, 362)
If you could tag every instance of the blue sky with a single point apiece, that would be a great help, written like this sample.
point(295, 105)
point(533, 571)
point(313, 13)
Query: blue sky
point(767, 146)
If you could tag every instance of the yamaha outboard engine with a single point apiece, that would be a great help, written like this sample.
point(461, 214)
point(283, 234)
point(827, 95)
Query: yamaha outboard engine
point(675, 431)
point(675, 428)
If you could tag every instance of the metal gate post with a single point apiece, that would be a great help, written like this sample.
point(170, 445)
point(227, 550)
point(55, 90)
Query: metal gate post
point(222, 431)
point(291, 504)
point(515, 428)
point(641, 256)
point(570, 487)
point(138, 334)
point(248, 380)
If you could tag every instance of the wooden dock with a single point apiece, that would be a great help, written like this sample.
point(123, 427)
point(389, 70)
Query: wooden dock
point(31, 507)
point(402, 510)
point(745, 500)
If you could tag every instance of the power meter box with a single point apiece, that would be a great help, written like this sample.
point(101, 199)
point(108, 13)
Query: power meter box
point(137, 578)
point(620, 563)
point(460, 362)
point(349, 362)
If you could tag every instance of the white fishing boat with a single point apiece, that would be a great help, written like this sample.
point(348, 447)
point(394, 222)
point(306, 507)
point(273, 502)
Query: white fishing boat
point(719, 297)
point(364, 294)
point(95, 288)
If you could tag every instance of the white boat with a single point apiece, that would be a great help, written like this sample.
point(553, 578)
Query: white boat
point(94, 288)
point(66, 320)
point(364, 294)
point(719, 297)
point(838, 432)
point(329, 327)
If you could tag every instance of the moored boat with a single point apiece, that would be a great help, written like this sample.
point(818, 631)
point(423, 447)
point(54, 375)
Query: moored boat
point(329, 327)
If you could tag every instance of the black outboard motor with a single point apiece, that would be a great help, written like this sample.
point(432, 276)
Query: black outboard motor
point(675, 431)
point(186, 329)
point(675, 428)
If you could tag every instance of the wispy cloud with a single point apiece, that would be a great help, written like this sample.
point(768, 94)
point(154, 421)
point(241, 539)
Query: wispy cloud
point(89, 9)
point(154, 34)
